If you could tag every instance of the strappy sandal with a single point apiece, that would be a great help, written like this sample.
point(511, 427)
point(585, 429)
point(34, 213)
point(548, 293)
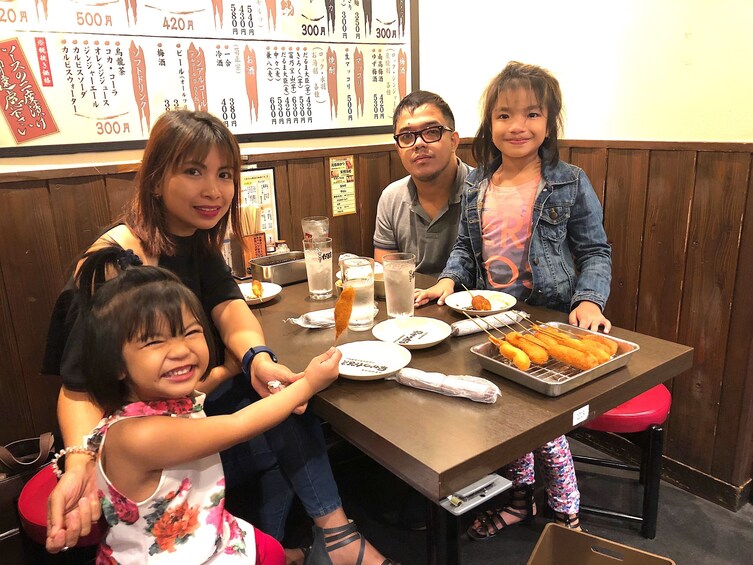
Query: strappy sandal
point(491, 522)
point(327, 540)
point(570, 521)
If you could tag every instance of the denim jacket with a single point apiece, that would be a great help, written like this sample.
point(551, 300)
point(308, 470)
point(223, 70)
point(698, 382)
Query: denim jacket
point(570, 257)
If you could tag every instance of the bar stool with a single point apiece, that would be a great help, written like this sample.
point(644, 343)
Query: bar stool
point(32, 512)
point(643, 414)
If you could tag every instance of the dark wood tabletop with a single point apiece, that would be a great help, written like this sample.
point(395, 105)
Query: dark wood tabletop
point(439, 444)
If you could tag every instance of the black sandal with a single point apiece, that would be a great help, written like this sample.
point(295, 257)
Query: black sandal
point(327, 540)
point(570, 521)
point(521, 506)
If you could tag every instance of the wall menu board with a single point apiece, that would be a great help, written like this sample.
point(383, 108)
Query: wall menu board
point(95, 74)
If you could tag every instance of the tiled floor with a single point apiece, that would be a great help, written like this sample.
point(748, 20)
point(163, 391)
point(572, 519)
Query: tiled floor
point(691, 530)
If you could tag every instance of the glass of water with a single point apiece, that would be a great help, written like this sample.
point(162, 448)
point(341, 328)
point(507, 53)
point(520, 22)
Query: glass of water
point(358, 273)
point(318, 256)
point(315, 227)
point(399, 283)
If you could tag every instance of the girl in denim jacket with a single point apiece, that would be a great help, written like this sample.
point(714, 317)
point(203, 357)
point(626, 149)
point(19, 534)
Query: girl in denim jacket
point(531, 226)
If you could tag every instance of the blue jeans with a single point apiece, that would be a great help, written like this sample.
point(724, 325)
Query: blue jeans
point(290, 458)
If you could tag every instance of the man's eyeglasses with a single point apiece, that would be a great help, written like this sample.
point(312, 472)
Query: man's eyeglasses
point(431, 134)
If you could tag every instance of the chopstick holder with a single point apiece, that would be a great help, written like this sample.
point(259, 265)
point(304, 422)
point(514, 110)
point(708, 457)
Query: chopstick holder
point(468, 327)
point(464, 386)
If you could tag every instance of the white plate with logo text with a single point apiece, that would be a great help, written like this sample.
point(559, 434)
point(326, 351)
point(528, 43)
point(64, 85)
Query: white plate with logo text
point(412, 332)
point(270, 290)
point(371, 360)
point(461, 301)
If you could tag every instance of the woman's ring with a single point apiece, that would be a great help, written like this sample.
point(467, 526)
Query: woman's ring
point(65, 548)
point(273, 385)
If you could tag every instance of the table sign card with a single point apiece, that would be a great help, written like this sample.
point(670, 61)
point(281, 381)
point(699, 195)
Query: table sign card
point(342, 179)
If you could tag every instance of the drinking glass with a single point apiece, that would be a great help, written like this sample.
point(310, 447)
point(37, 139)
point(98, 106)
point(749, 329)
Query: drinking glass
point(315, 227)
point(399, 283)
point(358, 273)
point(318, 256)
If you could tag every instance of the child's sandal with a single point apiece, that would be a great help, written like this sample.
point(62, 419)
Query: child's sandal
point(491, 522)
point(570, 521)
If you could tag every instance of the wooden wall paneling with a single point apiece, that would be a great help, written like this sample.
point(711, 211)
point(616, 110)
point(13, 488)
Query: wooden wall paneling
point(716, 222)
point(309, 196)
point(733, 448)
point(594, 162)
point(624, 210)
point(33, 276)
point(564, 154)
point(119, 190)
point(372, 176)
point(465, 154)
point(670, 194)
point(397, 171)
point(80, 211)
point(345, 229)
point(17, 422)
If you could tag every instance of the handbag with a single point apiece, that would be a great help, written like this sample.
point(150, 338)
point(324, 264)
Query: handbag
point(19, 461)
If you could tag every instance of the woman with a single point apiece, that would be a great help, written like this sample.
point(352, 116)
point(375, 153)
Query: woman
point(187, 191)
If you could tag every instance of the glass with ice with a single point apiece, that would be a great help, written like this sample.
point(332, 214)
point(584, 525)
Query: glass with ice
point(318, 256)
point(358, 273)
point(315, 227)
point(399, 283)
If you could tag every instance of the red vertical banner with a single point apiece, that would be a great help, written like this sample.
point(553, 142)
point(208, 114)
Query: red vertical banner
point(43, 58)
point(23, 105)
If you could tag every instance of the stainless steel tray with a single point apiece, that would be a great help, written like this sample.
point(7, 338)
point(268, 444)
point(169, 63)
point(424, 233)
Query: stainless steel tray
point(553, 378)
point(282, 268)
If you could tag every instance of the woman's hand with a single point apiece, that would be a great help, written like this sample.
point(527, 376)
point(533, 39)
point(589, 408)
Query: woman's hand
point(440, 291)
point(588, 315)
point(264, 371)
point(323, 369)
point(73, 504)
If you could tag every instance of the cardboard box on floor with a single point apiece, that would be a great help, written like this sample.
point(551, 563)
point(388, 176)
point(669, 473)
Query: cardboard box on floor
point(558, 545)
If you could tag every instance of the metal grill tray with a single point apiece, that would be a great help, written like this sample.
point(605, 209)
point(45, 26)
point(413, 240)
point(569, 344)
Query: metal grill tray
point(553, 378)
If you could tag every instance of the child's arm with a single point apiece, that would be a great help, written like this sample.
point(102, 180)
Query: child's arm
point(440, 291)
point(239, 330)
point(588, 315)
point(590, 248)
point(139, 446)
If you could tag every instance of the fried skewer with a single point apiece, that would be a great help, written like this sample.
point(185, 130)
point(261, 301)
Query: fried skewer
point(519, 357)
point(478, 302)
point(609, 345)
point(579, 359)
point(343, 310)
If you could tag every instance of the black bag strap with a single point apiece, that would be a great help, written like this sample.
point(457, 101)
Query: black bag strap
point(26, 454)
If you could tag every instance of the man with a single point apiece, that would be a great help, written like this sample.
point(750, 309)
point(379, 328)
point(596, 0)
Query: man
point(419, 213)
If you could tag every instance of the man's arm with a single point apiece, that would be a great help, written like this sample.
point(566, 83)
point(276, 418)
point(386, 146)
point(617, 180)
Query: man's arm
point(380, 253)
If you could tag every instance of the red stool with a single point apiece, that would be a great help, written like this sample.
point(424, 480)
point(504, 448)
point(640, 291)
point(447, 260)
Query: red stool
point(643, 414)
point(32, 509)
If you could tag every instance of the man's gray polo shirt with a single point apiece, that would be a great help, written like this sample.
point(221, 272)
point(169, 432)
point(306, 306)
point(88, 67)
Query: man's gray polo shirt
point(403, 225)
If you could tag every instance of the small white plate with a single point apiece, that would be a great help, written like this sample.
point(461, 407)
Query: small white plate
point(461, 301)
point(270, 291)
point(371, 360)
point(412, 332)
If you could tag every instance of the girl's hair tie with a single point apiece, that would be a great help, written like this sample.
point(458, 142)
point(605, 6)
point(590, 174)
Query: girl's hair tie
point(127, 258)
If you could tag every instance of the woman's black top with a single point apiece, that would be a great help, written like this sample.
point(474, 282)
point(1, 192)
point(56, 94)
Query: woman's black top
point(206, 274)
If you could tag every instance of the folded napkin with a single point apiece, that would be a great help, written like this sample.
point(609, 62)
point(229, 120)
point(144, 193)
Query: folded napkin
point(467, 327)
point(318, 319)
point(315, 319)
point(474, 388)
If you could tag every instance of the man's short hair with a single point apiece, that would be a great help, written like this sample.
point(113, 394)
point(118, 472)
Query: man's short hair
point(419, 98)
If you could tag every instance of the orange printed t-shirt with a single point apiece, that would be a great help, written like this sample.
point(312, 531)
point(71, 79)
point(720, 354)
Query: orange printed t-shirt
point(505, 232)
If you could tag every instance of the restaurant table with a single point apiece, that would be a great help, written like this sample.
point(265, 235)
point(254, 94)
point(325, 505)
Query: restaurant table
point(439, 444)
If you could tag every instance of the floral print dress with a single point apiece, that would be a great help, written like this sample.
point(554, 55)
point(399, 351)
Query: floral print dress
point(184, 520)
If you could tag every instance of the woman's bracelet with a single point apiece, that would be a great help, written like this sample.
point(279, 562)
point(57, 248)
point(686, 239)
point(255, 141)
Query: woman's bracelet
point(68, 451)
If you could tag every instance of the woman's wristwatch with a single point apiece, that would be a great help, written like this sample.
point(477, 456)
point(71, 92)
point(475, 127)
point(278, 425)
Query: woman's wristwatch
point(252, 352)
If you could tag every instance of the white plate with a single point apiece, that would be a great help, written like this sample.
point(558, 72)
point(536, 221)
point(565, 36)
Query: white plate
point(270, 291)
point(371, 360)
point(412, 332)
point(461, 301)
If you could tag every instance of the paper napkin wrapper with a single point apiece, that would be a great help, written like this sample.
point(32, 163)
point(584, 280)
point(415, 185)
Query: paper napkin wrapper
point(467, 327)
point(315, 319)
point(465, 386)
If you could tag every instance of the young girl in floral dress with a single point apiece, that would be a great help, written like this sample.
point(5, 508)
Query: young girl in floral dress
point(158, 468)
